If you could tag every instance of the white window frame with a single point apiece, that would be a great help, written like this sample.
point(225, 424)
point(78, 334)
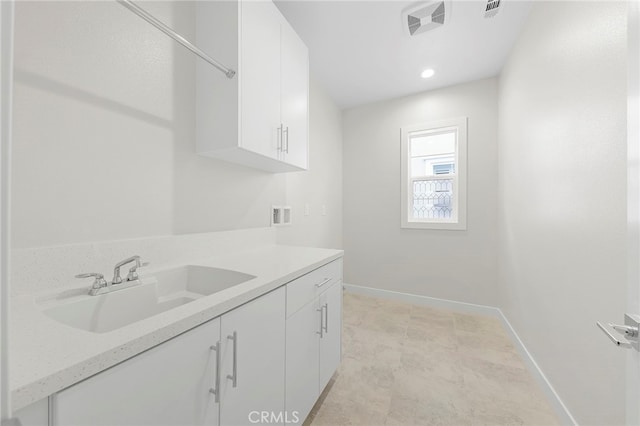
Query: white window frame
point(459, 178)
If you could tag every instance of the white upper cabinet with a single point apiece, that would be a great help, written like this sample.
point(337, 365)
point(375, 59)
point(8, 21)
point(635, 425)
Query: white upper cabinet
point(260, 79)
point(295, 97)
point(260, 118)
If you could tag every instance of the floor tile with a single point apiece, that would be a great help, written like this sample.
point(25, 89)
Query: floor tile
point(414, 365)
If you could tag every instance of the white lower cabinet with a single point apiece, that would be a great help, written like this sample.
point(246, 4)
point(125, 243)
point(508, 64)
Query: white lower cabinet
point(258, 363)
point(36, 414)
point(166, 385)
point(171, 384)
point(252, 386)
point(313, 348)
point(303, 359)
point(331, 341)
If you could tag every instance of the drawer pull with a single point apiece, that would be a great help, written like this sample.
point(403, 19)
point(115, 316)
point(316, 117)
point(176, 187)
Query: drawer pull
point(326, 280)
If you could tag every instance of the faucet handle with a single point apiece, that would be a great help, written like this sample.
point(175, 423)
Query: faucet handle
point(116, 270)
point(99, 280)
point(133, 271)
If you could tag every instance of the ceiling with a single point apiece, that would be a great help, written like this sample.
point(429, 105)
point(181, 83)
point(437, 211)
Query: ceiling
point(360, 52)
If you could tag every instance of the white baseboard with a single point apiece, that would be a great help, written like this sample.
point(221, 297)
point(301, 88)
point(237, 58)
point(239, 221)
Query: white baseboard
point(561, 410)
point(424, 300)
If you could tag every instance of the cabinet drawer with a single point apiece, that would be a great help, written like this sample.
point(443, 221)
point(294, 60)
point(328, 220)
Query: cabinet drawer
point(309, 286)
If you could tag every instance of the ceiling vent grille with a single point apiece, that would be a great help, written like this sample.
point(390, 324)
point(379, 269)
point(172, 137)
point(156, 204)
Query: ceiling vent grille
point(492, 8)
point(425, 17)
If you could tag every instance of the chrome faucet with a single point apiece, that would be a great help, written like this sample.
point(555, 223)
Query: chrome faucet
point(101, 286)
point(133, 272)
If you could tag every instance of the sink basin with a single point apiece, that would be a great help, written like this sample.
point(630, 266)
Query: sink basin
point(197, 281)
point(157, 293)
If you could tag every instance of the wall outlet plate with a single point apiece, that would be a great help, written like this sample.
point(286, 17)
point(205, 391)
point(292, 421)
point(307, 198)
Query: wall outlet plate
point(280, 215)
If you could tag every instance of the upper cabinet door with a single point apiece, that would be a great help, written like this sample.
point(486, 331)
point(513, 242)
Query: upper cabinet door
point(259, 118)
point(260, 77)
point(295, 97)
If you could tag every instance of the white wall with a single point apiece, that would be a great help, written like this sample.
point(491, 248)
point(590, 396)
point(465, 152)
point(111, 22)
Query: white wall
point(562, 223)
point(458, 265)
point(321, 185)
point(6, 83)
point(105, 138)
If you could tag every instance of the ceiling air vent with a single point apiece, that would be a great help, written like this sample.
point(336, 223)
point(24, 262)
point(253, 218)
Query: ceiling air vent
point(492, 8)
point(425, 17)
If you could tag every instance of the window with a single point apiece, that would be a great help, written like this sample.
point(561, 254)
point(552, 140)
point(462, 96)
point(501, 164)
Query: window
point(434, 165)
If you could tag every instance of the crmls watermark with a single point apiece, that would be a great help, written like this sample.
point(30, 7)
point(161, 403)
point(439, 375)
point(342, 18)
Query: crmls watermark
point(274, 417)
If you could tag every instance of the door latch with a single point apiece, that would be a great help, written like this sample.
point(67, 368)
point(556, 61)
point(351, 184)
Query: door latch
point(625, 335)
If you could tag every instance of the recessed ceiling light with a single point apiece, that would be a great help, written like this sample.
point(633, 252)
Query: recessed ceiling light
point(427, 73)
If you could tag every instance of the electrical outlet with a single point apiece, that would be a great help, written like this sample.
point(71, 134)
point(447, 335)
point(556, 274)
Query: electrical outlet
point(306, 209)
point(280, 215)
point(324, 210)
point(276, 216)
point(286, 215)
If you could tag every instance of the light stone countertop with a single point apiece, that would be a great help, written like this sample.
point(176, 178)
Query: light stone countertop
point(48, 356)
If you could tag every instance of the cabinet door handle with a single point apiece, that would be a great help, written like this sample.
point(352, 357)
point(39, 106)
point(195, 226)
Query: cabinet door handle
point(326, 280)
point(216, 389)
point(326, 317)
point(234, 376)
point(287, 145)
point(279, 137)
point(321, 332)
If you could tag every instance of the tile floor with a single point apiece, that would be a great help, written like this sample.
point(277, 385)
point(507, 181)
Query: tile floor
point(413, 365)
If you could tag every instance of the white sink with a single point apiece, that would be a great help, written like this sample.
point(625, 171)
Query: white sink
point(157, 293)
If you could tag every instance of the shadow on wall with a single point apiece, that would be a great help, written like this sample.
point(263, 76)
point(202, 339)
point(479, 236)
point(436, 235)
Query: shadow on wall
point(65, 90)
point(113, 153)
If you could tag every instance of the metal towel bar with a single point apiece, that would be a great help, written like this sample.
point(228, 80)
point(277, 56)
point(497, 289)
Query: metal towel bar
point(174, 35)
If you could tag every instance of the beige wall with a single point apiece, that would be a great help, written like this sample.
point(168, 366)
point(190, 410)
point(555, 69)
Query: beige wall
point(458, 265)
point(562, 223)
point(105, 140)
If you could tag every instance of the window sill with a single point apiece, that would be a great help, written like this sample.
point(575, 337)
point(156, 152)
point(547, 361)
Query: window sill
point(446, 226)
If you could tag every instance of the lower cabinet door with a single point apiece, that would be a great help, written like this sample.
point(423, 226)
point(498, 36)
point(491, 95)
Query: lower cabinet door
point(303, 361)
point(331, 340)
point(253, 351)
point(166, 385)
point(36, 414)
